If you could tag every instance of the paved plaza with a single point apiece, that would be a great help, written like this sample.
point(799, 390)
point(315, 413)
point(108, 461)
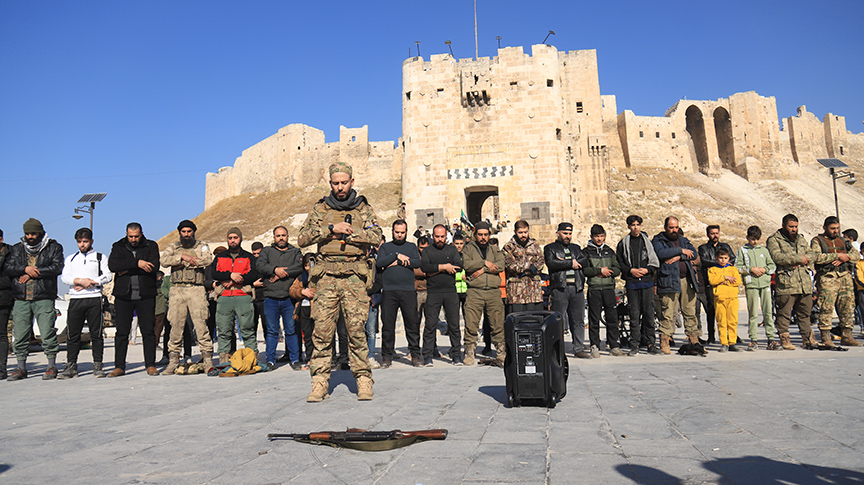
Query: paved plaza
point(745, 417)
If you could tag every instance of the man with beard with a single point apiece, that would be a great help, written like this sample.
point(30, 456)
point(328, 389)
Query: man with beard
point(708, 258)
point(483, 263)
point(834, 281)
point(676, 283)
point(235, 272)
point(567, 281)
point(188, 259)
point(523, 262)
point(794, 286)
point(33, 266)
point(396, 262)
point(639, 264)
point(440, 262)
point(280, 264)
point(134, 260)
point(343, 226)
point(85, 283)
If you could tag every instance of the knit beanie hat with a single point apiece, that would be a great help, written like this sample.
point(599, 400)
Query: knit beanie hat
point(33, 225)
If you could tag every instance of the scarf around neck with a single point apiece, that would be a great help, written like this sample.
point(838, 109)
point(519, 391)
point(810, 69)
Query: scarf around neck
point(33, 250)
point(352, 202)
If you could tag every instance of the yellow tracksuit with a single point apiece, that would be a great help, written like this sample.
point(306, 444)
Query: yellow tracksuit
point(725, 302)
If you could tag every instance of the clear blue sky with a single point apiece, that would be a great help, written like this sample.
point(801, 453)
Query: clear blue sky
point(141, 99)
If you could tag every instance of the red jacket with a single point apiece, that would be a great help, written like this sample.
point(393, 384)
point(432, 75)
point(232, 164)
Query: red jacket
point(224, 264)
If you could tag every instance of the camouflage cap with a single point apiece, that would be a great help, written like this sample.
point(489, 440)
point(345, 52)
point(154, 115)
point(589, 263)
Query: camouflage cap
point(341, 167)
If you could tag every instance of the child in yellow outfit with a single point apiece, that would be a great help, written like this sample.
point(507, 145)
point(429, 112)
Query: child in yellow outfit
point(725, 279)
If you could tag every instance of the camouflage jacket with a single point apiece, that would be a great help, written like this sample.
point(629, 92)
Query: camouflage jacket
point(793, 277)
point(522, 267)
point(825, 268)
point(181, 271)
point(341, 256)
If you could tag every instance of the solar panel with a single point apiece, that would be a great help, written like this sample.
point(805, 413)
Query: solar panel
point(95, 197)
point(831, 163)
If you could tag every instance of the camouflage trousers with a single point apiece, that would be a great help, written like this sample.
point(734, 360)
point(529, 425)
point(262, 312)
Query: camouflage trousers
point(836, 291)
point(191, 301)
point(335, 295)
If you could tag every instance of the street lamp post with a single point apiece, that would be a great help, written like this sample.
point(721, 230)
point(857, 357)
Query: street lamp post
point(92, 199)
point(833, 164)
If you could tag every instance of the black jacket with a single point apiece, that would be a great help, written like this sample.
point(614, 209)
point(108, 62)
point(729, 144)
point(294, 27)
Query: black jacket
point(124, 265)
point(5, 282)
point(49, 263)
point(708, 259)
point(558, 265)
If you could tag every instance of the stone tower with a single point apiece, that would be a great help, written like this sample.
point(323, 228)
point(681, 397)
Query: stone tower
point(525, 129)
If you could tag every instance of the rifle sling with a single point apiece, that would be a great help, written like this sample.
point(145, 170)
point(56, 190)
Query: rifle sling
point(383, 445)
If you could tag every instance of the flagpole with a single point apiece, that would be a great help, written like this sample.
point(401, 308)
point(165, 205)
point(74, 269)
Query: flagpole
point(476, 46)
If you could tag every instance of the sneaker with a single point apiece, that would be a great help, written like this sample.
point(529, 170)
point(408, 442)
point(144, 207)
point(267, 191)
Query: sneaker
point(428, 362)
point(416, 361)
point(616, 352)
point(487, 351)
point(723, 348)
point(654, 350)
point(583, 354)
point(70, 371)
point(733, 348)
point(296, 365)
point(284, 358)
point(633, 352)
point(51, 373)
point(386, 363)
point(595, 352)
point(17, 374)
point(753, 346)
point(773, 345)
point(456, 359)
point(374, 364)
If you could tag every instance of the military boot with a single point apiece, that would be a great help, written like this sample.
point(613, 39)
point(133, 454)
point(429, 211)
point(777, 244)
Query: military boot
point(207, 360)
point(173, 363)
point(664, 344)
point(848, 339)
point(785, 342)
point(469, 355)
point(319, 390)
point(68, 372)
point(364, 388)
point(693, 338)
point(827, 340)
point(809, 342)
point(223, 358)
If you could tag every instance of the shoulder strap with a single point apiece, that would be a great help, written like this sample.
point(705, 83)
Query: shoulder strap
point(99, 262)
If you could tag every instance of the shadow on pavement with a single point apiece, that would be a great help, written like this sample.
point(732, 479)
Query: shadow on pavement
point(498, 393)
point(4, 467)
point(751, 469)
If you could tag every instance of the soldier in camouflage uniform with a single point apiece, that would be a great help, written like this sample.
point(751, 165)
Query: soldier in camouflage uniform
point(523, 262)
point(834, 282)
point(344, 226)
point(794, 288)
point(187, 259)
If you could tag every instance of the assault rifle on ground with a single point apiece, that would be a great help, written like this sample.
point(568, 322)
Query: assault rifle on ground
point(360, 439)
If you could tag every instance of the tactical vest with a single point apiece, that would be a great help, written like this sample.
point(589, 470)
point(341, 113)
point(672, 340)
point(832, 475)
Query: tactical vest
point(339, 247)
point(184, 274)
point(832, 246)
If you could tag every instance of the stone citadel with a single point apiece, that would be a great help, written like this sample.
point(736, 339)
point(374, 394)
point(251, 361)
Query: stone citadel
point(521, 136)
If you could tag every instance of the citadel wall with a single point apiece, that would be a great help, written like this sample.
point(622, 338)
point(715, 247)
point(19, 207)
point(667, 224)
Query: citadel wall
point(297, 156)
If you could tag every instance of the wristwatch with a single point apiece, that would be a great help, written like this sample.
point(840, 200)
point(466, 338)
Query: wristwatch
point(330, 227)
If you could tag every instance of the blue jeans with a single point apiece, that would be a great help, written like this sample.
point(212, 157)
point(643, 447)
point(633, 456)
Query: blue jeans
point(273, 309)
point(371, 326)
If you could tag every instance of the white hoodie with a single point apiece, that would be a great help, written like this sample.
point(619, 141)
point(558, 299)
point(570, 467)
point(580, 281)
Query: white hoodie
point(85, 266)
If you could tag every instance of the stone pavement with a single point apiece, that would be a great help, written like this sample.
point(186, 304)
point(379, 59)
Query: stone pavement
point(746, 417)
